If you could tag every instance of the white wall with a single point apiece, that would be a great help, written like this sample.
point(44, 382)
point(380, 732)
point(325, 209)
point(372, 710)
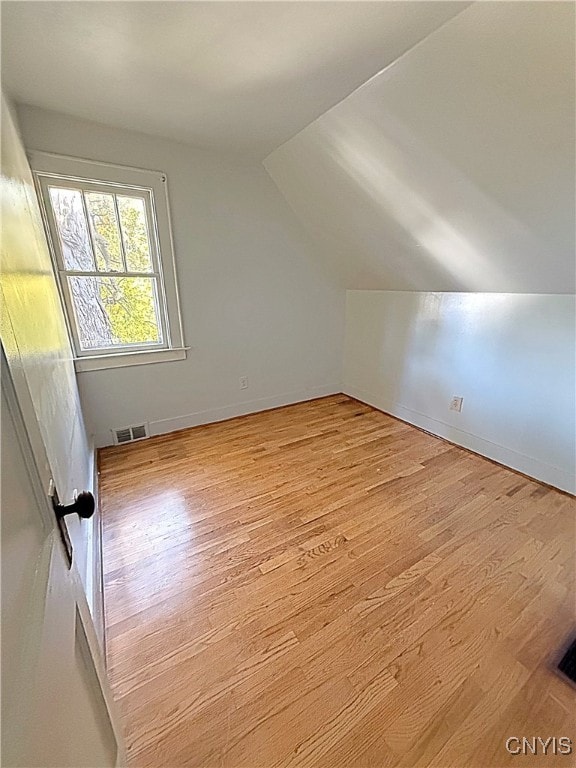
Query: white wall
point(254, 302)
point(453, 169)
point(510, 356)
point(37, 349)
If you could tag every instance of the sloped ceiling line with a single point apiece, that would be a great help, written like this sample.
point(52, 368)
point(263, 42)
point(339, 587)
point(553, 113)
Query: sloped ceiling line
point(453, 169)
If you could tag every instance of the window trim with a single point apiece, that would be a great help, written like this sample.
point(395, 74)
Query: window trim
point(153, 184)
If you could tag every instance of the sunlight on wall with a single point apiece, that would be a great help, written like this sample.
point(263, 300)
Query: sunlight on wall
point(510, 356)
point(33, 327)
point(452, 169)
point(365, 154)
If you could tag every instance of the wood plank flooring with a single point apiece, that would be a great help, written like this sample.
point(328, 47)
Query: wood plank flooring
point(323, 585)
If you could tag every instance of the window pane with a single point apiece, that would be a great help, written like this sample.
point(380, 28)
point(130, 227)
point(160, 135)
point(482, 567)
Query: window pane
point(134, 225)
point(115, 311)
point(105, 233)
point(72, 229)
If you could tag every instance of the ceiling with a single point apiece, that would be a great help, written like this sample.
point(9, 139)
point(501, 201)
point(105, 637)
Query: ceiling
point(454, 169)
point(241, 76)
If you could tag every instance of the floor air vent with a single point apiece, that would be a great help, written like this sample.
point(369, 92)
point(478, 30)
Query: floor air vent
point(129, 434)
point(568, 663)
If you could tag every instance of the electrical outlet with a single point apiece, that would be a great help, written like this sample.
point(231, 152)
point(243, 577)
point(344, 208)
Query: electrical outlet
point(243, 382)
point(456, 404)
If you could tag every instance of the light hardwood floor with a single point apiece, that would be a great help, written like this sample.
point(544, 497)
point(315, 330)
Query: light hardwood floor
point(323, 585)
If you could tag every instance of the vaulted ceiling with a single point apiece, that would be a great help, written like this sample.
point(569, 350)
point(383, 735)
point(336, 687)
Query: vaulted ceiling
point(228, 75)
point(449, 168)
point(453, 169)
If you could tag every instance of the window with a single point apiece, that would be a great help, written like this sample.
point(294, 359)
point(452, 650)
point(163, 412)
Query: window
point(109, 233)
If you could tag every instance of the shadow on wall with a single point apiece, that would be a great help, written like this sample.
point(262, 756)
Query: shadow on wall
point(407, 329)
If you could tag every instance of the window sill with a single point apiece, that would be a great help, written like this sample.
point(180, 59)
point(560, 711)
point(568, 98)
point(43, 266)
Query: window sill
point(127, 359)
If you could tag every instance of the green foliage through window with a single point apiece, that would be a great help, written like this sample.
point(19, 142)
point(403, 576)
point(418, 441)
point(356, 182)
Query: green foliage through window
point(106, 235)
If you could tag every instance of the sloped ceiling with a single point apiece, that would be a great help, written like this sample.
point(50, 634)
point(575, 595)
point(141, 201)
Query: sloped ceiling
point(453, 169)
point(242, 76)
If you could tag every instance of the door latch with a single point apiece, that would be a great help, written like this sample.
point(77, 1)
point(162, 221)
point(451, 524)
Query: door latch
point(84, 506)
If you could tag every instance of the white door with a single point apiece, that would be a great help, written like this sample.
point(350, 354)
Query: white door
point(57, 708)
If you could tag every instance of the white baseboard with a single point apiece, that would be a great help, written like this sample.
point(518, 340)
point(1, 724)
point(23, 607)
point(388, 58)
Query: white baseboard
point(163, 426)
point(528, 465)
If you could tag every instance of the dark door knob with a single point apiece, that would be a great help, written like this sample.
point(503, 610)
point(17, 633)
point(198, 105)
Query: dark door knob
point(84, 506)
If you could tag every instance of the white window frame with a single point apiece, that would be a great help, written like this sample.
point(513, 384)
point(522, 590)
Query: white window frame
point(76, 173)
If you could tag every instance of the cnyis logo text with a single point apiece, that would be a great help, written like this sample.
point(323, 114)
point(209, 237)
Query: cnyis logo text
point(539, 745)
